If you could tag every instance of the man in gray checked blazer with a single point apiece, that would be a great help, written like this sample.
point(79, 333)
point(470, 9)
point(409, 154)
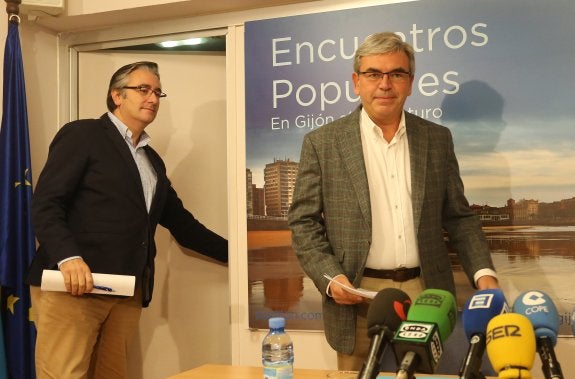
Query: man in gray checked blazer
point(375, 191)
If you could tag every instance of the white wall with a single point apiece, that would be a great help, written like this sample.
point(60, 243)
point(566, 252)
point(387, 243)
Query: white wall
point(47, 92)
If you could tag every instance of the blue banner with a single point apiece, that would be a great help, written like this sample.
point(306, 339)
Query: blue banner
point(17, 244)
point(502, 86)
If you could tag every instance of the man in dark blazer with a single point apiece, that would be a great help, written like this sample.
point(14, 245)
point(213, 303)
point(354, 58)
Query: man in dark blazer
point(374, 193)
point(95, 209)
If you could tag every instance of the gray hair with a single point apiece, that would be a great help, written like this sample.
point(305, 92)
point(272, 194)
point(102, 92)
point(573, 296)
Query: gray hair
point(120, 79)
point(383, 43)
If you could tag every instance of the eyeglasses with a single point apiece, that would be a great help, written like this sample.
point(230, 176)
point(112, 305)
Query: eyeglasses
point(393, 76)
point(146, 91)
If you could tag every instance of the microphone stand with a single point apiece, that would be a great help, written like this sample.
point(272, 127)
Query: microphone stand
point(380, 336)
point(407, 366)
point(477, 375)
point(549, 363)
point(470, 367)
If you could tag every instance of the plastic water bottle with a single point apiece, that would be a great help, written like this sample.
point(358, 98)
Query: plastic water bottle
point(277, 351)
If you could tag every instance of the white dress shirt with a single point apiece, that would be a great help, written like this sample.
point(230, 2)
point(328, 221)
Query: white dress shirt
point(387, 164)
point(147, 173)
point(394, 242)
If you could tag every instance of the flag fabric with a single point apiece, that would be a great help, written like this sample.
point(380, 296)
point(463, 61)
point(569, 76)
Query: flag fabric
point(3, 367)
point(17, 243)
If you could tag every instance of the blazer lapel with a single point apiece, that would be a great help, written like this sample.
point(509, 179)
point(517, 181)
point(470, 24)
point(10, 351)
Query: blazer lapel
point(162, 184)
point(349, 141)
point(418, 146)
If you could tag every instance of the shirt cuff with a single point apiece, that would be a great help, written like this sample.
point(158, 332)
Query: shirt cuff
point(327, 291)
point(483, 272)
point(68, 259)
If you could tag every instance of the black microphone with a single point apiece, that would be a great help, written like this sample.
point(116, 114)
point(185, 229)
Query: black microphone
point(479, 310)
point(386, 312)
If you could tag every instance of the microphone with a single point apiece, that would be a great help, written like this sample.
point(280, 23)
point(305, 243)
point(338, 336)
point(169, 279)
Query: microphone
point(387, 310)
point(540, 310)
point(479, 310)
point(418, 343)
point(510, 343)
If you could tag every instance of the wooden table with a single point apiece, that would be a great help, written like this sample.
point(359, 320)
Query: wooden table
point(241, 372)
point(210, 371)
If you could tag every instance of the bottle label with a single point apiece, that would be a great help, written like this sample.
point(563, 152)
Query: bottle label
point(282, 372)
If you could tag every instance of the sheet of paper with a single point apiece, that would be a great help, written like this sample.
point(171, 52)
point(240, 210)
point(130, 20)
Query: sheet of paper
point(123, 285)
point(356, 291)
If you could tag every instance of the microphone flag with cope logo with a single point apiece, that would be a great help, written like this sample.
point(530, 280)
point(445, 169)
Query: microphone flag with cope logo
point(418, 343)
point(539, 309)
point(511, 345)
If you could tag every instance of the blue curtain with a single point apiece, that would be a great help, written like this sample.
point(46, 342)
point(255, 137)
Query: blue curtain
point(17, 245)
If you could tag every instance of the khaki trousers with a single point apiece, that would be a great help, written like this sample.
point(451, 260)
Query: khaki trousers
point(83, 336)
point(355, 360)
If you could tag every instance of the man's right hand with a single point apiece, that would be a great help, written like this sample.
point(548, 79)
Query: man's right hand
point(77, 277)
point(340, 295)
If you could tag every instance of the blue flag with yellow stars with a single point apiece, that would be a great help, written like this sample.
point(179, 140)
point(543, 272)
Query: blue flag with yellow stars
point(3, 364)
point(17, 244)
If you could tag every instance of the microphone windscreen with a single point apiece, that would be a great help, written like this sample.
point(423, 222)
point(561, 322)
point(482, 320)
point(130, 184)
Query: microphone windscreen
point(388, 308)
point(540, 310)
point(435, 306)
point(511, 345)
point(480, 308)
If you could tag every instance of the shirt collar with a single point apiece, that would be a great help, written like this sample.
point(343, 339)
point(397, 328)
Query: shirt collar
point(369, 126)
point(126, 133)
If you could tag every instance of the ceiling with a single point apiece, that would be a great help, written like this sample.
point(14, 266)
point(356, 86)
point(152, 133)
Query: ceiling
point(180, 9)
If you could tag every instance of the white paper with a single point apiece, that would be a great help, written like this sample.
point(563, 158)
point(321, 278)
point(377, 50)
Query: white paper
point(123, 285)
point(356, 291)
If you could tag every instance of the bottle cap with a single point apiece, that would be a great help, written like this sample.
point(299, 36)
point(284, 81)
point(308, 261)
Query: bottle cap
point(276, 322)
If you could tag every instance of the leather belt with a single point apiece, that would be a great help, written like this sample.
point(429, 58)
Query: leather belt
point(402, 274)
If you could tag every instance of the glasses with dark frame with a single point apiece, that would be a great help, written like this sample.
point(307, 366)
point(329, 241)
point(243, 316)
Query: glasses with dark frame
point(393, 76)
point(146, 91)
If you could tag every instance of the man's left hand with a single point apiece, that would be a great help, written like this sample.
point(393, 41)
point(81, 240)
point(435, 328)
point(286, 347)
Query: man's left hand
point(487, 282)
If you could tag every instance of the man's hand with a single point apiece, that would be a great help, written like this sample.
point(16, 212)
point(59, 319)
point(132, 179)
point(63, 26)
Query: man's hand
point(487, 282)
point(77, 277)
point(340, 295)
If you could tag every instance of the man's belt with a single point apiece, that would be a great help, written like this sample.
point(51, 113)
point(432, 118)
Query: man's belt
point(398, 275)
